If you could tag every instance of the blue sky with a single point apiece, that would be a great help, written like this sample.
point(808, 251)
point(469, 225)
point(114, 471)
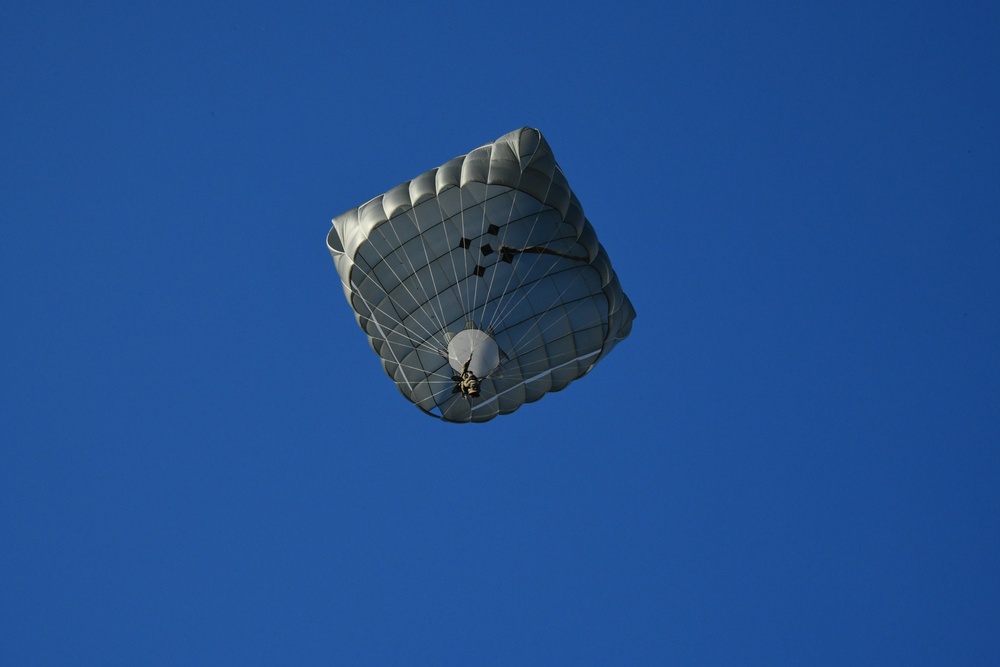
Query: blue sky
point(792, 460)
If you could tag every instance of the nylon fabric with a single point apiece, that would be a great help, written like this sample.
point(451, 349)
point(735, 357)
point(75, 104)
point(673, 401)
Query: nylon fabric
point(494, 240)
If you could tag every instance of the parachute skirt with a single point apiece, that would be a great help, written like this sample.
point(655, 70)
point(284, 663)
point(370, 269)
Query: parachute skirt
point(488, 256)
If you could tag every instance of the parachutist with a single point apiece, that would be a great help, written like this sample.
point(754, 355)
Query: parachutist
point(468, 383)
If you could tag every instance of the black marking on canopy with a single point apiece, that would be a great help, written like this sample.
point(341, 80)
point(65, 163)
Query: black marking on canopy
point(492, 229)
point(479, 270)
point(464, 243)
point(487, 250)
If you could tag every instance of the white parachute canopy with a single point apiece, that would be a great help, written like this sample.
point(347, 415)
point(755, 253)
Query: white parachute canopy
point(484, 265)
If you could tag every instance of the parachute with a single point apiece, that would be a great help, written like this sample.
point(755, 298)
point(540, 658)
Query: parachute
point(481, 284)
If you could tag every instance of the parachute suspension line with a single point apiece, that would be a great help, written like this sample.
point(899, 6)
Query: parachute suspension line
point(510, 216)
point(445, 377)
point(538, 255)
point(551, 324)
point(558, 320)
point(391, 318)
point(533, 338)
point(511, 285)
point(482, 224)
point(493, 275)
point(385, 260)
point(454, 268)
point(467, 288)
point(433, 298)
point(429, 335)
point(436, 299)
point(508, 253)
point(402, 331)
point(391, 352)
point(500, 310)
point(413, 271)
point(511, 305)
point(525, 381)
point(405, 334)
point(465, 255)
point(447, 391)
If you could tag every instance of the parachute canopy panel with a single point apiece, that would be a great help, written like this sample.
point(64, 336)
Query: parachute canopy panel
point(486, 264)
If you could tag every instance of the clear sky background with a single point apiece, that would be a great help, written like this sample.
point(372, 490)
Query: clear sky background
point(794, 459)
